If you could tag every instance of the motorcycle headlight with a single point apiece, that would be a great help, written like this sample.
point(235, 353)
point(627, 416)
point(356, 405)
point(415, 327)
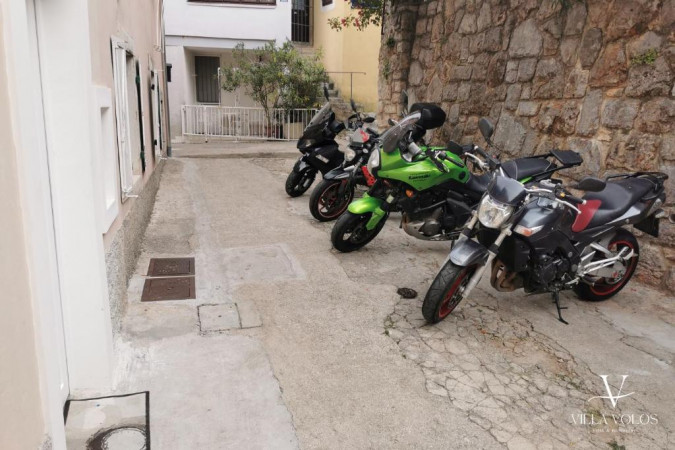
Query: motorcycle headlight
point(493, 214)
point(374, 161)
point(349, 154)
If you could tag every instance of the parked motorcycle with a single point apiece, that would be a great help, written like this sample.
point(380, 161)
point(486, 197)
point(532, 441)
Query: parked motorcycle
point(544, 239)
point(320, 152)
point(333, 194)
point(432, 186)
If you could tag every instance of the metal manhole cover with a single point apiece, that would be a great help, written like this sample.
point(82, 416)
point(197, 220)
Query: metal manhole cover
point(175, 288)
point(165, 267)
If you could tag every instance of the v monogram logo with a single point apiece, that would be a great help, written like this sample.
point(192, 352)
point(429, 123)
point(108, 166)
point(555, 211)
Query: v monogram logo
point(614, 399)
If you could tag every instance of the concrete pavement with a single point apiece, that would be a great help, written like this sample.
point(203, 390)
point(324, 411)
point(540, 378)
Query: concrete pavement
point(333, 358)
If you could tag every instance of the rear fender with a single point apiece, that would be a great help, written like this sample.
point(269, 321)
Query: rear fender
point(468, 252)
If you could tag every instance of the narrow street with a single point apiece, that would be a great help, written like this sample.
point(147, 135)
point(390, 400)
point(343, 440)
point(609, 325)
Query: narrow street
point(290, 344)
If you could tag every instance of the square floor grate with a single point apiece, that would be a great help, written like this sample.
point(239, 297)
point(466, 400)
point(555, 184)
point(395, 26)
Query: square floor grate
point(174, 288)
point(167, 267)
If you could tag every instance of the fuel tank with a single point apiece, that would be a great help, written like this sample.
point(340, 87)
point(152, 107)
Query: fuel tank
point(421, 173)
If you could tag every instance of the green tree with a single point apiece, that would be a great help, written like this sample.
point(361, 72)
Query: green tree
point(275, 76)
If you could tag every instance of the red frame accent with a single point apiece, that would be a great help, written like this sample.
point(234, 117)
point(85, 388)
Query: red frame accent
point(370, 179)
point(588, 210)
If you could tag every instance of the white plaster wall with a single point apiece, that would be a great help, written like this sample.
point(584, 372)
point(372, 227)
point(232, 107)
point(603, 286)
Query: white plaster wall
point(21, 415)
point(228, 23)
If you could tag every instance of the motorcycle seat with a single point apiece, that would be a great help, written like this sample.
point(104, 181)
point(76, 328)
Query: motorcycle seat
point(521, 168)
point(478, 183)
point(610, 203)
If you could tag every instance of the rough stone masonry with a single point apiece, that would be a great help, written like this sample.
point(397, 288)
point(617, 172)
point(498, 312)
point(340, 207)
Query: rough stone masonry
point(592, 76)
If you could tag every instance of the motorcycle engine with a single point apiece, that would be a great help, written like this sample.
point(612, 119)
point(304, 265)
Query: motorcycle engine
point(549, 268)
point(428, 227)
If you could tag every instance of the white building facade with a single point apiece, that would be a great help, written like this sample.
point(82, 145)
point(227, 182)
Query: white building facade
point(200, 36)
point(82, 133)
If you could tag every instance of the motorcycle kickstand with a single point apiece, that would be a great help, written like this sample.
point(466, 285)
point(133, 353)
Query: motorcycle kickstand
point(556, 300)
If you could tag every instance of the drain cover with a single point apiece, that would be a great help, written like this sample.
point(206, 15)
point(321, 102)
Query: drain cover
point(175, 288)
point(166, 267)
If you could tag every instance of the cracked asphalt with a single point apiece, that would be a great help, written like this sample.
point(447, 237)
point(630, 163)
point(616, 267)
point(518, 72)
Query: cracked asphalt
point(354, 365)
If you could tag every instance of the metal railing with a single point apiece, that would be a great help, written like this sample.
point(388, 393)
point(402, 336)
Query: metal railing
point(351, 80)
point(244, 122)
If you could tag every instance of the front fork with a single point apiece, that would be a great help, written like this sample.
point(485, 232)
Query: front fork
point(492, 252)
point(380, 212)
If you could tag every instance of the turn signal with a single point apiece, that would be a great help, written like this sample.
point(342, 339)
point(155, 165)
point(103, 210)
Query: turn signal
point(527, 232)
point(409, 193)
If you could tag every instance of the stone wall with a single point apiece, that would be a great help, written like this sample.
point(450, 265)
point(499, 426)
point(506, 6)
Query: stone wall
point(593, 76)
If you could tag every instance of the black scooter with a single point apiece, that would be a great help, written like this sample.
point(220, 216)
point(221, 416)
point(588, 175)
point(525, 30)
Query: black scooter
point(542, 238)
point(319, 150)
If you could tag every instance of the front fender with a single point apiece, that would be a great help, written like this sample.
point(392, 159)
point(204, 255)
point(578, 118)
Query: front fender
point(365, 205)
point(468, 252)
point(338, 173)
point(301, 165)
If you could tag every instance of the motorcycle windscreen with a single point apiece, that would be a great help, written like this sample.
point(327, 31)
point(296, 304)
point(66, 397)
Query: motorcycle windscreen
point(393, 135)
point(314, 128)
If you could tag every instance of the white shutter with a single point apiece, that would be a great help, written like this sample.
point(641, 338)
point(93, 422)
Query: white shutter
point(119, 52)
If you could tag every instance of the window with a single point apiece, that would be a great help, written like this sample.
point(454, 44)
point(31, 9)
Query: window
point(245, 2)
point(206, 81)
point(326, 2)
point(301, 19)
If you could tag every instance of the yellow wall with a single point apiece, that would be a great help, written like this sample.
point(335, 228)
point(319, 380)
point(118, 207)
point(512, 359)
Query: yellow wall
point(348, 50)
point(21, 413)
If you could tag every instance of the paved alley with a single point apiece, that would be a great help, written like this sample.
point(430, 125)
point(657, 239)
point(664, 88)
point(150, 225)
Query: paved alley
point(290, 344)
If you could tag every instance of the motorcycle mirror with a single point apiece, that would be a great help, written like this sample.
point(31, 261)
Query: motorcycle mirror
point(591, 184)
point(486, 128)
point(325, 92)
point(351, 102)
point(455, 148)
point(369, 119)
point(391, 122)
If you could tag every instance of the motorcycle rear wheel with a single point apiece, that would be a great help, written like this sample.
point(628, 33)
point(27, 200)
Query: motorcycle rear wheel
point(445, 292)
point(324, 203)
point(604, 288)
point(350, 232)
point(297, 183)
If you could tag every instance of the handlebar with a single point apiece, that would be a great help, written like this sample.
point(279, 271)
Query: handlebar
point(558, 195)
point(493, 163)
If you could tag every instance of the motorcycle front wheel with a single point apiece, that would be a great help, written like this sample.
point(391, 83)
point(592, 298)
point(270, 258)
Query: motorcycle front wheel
point(297, 183)
point(326, 203)
point(445, 293)
point(350, 232)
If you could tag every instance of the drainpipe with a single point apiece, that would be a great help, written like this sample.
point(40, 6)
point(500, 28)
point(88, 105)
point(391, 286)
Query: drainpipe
point(167, 120)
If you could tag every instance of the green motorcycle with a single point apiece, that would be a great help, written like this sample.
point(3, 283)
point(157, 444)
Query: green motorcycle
point(431, 186)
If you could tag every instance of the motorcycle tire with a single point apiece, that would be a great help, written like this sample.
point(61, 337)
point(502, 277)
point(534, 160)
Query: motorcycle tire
point(297, 183)
point(445, 292)
point(324, 203)
point(603, 288)
point(349, 224)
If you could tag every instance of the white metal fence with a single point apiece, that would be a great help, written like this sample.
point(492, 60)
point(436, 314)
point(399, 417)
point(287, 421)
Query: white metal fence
point(244, 122)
